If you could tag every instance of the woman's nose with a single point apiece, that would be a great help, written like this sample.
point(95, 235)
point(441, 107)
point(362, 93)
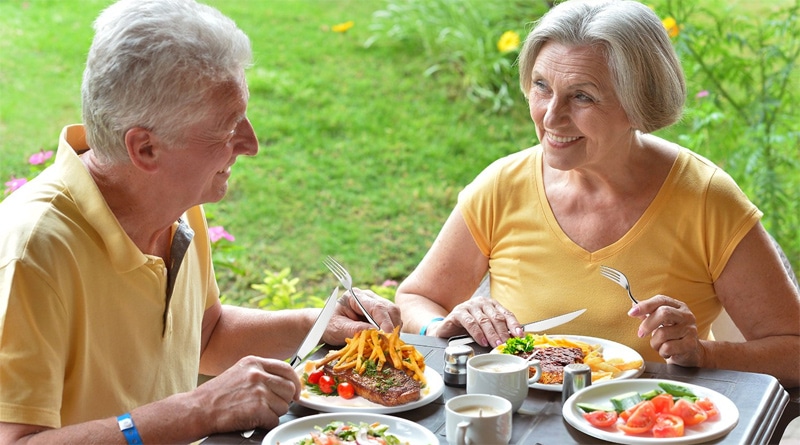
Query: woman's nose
point(555, 113)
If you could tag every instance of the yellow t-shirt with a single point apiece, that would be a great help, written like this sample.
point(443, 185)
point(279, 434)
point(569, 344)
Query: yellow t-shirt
point(83, 330)
point(679, 247)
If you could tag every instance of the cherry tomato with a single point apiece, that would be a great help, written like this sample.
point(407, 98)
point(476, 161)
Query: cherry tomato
point(327, 384)
point(601, 419)
point(668, 425)
point(641, 421)
point(708, 406)
point(314, 377)
point(663, 403)
point(689, 412)
point(346, 390)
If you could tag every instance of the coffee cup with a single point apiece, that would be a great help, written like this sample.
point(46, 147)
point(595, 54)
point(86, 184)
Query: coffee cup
point(503, 375)
point(478, 419)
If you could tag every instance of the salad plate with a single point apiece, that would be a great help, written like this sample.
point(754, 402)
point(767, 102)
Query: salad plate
point(337, 404)
point(299, 429)
point(601, 394)
point(610, 350)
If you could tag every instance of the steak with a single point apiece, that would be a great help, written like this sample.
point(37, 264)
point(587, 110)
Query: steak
point(553, 360)
point(388, 387)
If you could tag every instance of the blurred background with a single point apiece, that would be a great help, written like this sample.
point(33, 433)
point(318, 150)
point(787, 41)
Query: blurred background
point(373, 114)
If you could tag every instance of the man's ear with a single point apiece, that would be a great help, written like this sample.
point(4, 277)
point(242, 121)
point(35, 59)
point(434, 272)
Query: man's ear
point(143, 148)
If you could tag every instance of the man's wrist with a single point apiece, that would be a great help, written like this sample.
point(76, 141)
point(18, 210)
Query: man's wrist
point(128, 429)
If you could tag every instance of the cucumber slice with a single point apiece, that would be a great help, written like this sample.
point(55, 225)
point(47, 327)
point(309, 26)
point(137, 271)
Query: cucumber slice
point(650, 394)
point(588, 407)
point(625, 401)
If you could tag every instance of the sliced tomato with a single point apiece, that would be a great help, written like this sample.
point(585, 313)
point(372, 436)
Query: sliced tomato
point(625, 415)
point(327, 384)
point(668, 425)
point(601, 419)
point(346, 390)
point(708, 406)
point(642, 419)
point(689, 412)
point(314, 377)
point(663, 403)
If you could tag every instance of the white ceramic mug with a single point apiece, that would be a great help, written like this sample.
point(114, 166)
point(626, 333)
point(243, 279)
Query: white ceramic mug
point(503, 375)
point(478, 419)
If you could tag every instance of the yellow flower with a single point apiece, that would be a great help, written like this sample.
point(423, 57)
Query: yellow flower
point(671, 26)
point(343, 27)
point(509, 41)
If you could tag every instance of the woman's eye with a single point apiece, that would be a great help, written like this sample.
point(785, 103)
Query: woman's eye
point(584, 98)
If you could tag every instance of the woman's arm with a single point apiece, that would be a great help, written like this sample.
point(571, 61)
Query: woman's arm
point(762, 301)
point(442, 284)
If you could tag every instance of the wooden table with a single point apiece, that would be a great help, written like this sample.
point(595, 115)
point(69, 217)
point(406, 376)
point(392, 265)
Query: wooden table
point(761, 401)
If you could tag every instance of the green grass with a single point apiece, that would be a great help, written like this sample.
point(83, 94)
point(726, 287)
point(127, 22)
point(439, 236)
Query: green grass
point(362, 157)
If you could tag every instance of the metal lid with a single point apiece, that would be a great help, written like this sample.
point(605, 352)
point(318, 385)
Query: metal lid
point(455, 364)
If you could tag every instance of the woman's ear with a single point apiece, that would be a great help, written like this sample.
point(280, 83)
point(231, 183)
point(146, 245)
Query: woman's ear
point(143, 148)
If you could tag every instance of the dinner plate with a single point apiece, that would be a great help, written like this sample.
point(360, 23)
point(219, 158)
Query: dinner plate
point(336, 404)
point(298, 429)
point(601, 394)
point(610, 349)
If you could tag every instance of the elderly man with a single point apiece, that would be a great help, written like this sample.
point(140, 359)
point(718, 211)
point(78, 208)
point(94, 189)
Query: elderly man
point(108, 304)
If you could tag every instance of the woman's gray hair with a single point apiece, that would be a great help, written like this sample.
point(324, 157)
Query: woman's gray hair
point(153, 64)
point(646, 72)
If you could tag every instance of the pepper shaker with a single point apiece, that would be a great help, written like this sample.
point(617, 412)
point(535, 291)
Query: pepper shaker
point(576, 377)
point(455, 364)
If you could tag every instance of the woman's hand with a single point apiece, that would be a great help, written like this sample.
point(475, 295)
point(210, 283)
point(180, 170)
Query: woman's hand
point(348, 319)
point(484, 319)
point(672, 328)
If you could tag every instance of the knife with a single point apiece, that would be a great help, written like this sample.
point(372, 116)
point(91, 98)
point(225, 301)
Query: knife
point(312, 339)
point(536, 326)
point(315, 334)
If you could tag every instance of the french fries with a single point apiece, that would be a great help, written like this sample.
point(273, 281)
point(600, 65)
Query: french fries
point(602, 369)
point(379, 348)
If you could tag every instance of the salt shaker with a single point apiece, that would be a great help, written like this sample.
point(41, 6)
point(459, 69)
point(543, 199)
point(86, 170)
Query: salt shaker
point(455, 364)
point(576, 377)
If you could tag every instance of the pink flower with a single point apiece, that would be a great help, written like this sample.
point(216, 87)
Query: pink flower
point(701, 94)
point(216, 233)
point(40, 158)
point(14, 184)
point(389, 283)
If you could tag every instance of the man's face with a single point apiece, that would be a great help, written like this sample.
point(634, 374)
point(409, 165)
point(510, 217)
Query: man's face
point(199, 170)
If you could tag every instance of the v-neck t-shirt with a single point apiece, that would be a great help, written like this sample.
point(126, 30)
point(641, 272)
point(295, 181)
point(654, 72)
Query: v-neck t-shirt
point(678, 247)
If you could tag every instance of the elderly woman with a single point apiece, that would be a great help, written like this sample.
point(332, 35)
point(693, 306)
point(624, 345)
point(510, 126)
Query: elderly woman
point(600, 190)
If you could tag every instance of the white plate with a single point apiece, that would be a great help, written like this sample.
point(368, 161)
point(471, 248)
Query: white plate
point(601, 394)
point(292, 432)
point(610, 349)
point(336, 404)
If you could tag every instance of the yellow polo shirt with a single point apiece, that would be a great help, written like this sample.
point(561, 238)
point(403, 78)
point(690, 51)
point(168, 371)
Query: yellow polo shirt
point(85, 328)
point(679, 247)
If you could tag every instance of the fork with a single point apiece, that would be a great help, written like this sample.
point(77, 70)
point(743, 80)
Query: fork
point(344, 278)
point(619, 278)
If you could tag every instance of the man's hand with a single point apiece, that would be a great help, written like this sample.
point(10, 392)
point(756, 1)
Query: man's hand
point(253, 393)
point(348, 319)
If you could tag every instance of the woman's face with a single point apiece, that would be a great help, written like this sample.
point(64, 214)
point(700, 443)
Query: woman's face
point(578, 118)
